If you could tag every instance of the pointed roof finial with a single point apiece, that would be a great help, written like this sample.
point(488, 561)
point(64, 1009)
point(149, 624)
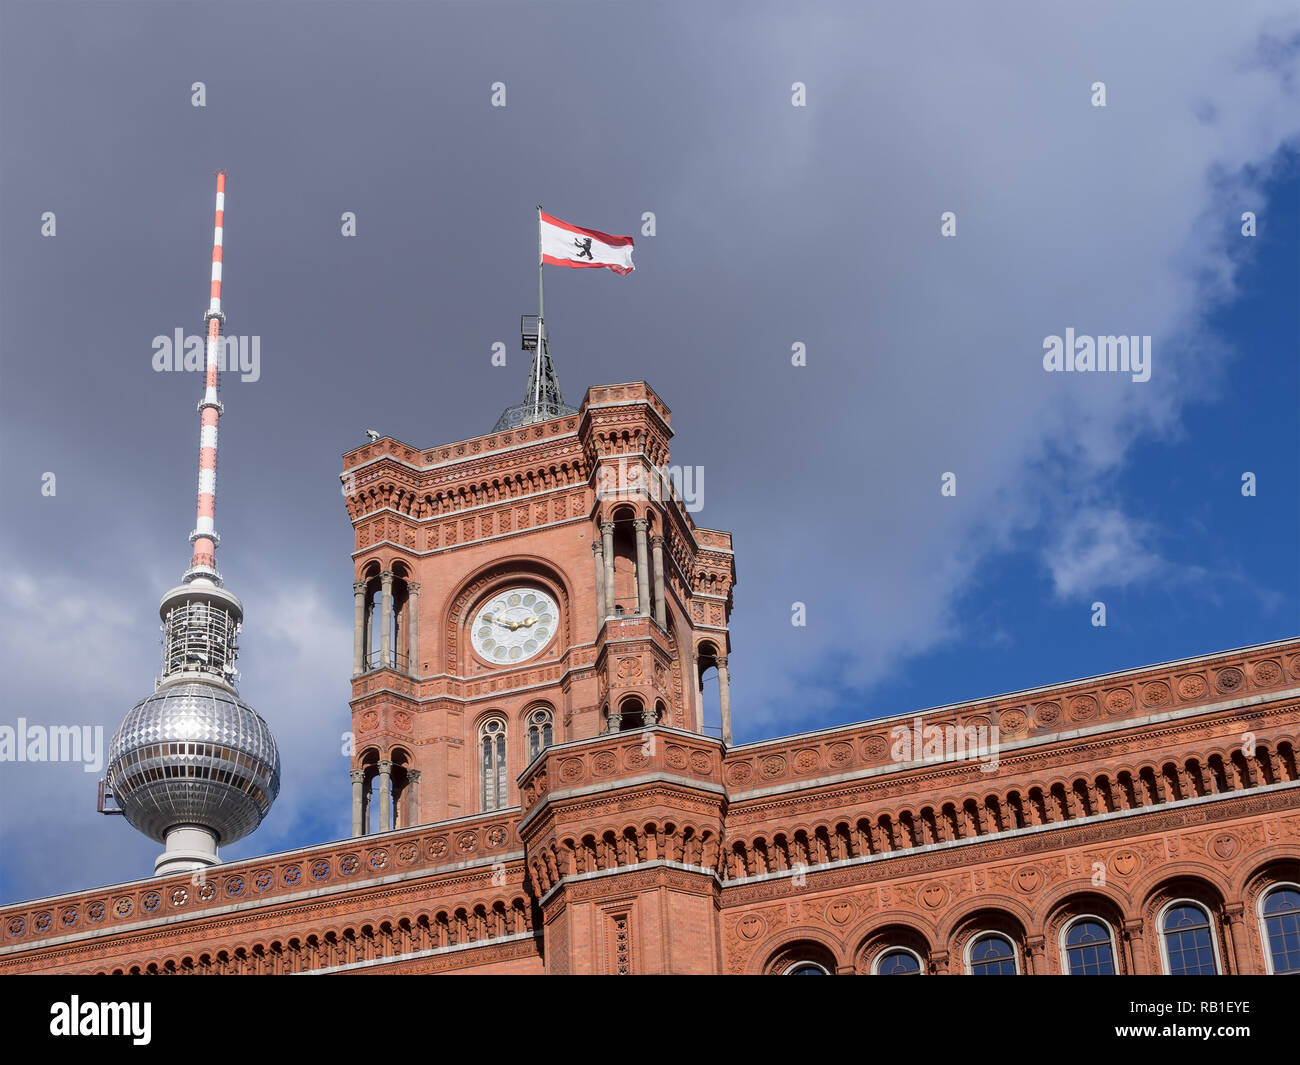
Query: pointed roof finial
point(543, 399)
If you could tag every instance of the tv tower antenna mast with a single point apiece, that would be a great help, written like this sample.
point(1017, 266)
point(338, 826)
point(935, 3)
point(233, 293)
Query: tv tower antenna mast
point(203, 564)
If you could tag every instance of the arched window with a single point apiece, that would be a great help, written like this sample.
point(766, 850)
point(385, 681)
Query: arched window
point(898, 961)
point(1281, 918)
point(802, 958)
point(992, 955)
point(1089, 950)
point(492, 762)
point(1187, 941)
point(539, 731)
point(805, 968)
point(632, 715)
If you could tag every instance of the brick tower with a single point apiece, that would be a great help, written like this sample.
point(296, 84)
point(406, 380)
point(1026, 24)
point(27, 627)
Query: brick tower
point(540, 584)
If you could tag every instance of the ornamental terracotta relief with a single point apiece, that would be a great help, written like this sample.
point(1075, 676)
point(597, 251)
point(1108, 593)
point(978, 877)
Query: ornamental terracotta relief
point(1230, 680)
point(1047, 714)
point(1223, 846)
point(1269, 673)
point(932, 896)
point(1027, 881)
point(1119, 701)
point(1156, 693)
point(1125, 863)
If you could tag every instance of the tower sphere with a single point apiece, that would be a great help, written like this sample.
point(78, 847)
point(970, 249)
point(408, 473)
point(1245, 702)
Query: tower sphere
point(194, 753)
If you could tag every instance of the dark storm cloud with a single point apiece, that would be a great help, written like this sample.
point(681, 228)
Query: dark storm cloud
point(775, 224)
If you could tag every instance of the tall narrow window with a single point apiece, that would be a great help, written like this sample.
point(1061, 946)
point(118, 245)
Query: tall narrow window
point(539, 732)
point(492, 756)
point(1188, 941)
point(1281, 913)
point(1088, 949)
point(992, 955)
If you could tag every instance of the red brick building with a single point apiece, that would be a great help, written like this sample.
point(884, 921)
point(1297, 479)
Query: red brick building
point(534, 790)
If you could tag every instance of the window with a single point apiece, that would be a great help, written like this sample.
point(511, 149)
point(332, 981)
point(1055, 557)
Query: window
point(806, 968)
point(1281, 915)
point(898, 961)
point(1188, 941)
point(539, 732)
point(992, 955)
point(1088, 948)
point(492, 756)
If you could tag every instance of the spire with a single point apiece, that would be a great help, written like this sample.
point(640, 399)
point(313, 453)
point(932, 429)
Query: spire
point(543, 399)
point(203, 564)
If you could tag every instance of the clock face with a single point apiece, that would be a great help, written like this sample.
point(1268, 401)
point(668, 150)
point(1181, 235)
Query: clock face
point(514, 625)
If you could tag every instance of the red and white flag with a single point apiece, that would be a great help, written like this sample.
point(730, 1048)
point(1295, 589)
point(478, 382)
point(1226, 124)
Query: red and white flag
point(563, 244)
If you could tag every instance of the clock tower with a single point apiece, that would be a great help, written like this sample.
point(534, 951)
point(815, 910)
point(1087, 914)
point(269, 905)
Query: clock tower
point(539, 584)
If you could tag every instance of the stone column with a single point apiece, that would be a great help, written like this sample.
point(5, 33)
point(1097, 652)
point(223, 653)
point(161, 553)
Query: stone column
point(1162, 786)
point(412, 625)
point(598, 557)
point(1237, 933)
point(386, 621)
point(615, 718)
point(365, 807)
point(1137, 952)
point(1266, 767)
point(642, 567)
point(1074, 802)
point(358, 777)
point(697, 686)
point(1034, 946)
point(385, 796)
point(724, 698)
point(939, 963)
point(661, 609)
point(607, 539)
point(358, 628)
point(413, 797)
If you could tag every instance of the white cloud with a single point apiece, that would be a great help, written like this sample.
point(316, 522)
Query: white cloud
point(1098, 548)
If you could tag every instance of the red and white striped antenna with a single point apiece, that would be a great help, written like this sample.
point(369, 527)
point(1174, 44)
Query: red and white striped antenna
point(203, 565)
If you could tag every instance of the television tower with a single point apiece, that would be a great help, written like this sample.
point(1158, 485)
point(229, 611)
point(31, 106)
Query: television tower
point(192, 765)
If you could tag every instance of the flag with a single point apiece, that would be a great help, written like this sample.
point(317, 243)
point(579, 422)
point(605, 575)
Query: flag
point(563, 244)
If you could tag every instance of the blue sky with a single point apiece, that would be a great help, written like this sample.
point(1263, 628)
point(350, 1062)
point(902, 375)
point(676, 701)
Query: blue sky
point(1230, 565)
point(775, 225)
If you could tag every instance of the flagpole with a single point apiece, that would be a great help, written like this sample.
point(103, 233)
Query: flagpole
point(541, 319)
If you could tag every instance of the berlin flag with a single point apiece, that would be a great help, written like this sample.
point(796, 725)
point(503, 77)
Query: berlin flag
point(563, 244)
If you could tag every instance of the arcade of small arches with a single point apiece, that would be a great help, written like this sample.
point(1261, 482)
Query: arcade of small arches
point(368, 942)
point(422, 505)
point(624, 576)
point(631, 581)
point(630, 712)
point(1147, 786)
point(1184, 926)
point(391, 598)
point(634, 844)
point(385, 792)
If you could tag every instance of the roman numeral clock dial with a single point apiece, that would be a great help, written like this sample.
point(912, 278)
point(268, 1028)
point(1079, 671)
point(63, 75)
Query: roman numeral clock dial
point(514, 625)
